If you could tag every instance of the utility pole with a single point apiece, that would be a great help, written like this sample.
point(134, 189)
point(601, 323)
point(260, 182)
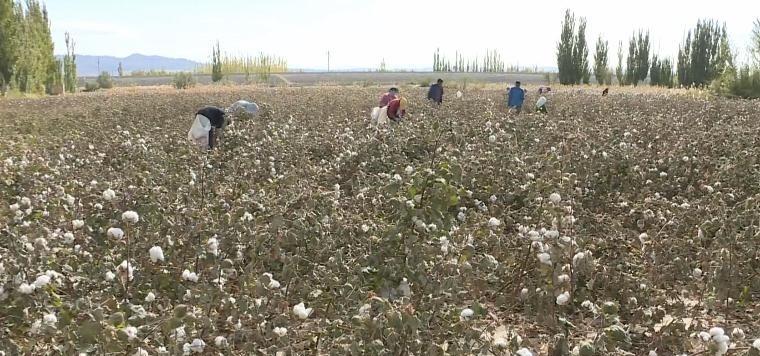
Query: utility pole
point(328, 61)
point(98, 65)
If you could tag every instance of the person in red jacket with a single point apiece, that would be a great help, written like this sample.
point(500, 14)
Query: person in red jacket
point(387, 97)
point(397, 109)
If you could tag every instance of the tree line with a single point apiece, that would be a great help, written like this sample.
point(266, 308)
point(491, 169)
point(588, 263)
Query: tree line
point(261, 66)
point(27, 62)
point(704, 60)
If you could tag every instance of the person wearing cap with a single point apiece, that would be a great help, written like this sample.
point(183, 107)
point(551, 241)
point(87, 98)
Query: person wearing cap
point(397, 109)
point(516, 97)
point(387, 97)
point(435, 94)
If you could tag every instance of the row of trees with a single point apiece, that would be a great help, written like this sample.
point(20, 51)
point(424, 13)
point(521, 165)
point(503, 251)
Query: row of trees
point(492, 62)
point(261, 66)
point(27, 62)
point(572, 52)
point(704, 57)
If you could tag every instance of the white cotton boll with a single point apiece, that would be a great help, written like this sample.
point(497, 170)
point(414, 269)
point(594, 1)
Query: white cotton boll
point(130, 217)
point(280, 332)
point(466, 314)
point(14, 207)
point(492, 139)
point(563, 298)
point(545, 258)
point(220, 342)
point(140, 352)
point(212, 246)
point(26, 288)
point(50, 319)
point(150, 297)
point(189, 276)
point(555, 198)
point(704, 336)
point(26, 202)
point(77, 224)
point(127, 269)
point(68, 238)
point(738, 334)
point(524, 352)
point(524, 293)
point(716, 331)
point(41, 281)
point(643, 238)
point(110, 276)
point(131, 332)
point(531, 176)
point(563, 278)
point(460, 216)
point(109, 195)
point(697, 273)
point(408, 170)
point(492, 199)
point(156, 254)
point(410, 204)
point(493, 223)
point(273, 284)
point(756, 344)
point(663, 174)
point(301, 311)
point(365, 228)
point(721, 339)
point(98, 206)
point(652, 353)
point(197, 346)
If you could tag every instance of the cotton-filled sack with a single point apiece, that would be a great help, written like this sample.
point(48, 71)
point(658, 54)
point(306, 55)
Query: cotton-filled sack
point(199, 131)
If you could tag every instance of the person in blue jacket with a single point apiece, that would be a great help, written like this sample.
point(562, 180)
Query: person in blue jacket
point(516, 98)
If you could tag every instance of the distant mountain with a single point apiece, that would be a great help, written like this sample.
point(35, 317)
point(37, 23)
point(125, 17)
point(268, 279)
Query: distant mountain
point(88, 65)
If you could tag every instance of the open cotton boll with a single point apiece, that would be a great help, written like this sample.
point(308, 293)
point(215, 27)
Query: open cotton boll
point(756, 344)
point(189, 276)
point(221, 342)
point(466, 314)
point(493, 223)
point(563, 298)
point(130, 217)
point(524, 352)
point(41, 281)
point(109, 195)
point(77, 224)
point(197, 346)
point(150, 297)
point(131, 332)
point(555, 198)
point(156, 254)
point(545, 258)
point(212, 246)
point(25, 288)
point(50, 319)
point(301, 311)
point(280, 331)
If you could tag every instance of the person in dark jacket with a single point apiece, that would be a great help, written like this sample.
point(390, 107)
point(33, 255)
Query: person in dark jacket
point(435, 93)
point(516, 98)
point(605, 91)
point(218, 121)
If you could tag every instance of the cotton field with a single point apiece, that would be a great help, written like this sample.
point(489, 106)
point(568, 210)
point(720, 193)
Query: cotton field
point(623, 225)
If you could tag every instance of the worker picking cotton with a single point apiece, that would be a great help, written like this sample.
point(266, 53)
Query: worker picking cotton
point(210, 122)
point(541, 105)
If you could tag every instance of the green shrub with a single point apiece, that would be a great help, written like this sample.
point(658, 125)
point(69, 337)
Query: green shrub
point(744, 83)
point(105, 81)
point(184, 80)
point(90, 87)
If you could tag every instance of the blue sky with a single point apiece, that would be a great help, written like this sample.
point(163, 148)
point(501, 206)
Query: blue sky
point(362, 33)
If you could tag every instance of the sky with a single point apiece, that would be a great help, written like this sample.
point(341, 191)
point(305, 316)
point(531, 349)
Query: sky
point(362, 33)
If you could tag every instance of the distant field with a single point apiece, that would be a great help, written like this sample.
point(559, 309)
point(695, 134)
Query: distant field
point(344, 78)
